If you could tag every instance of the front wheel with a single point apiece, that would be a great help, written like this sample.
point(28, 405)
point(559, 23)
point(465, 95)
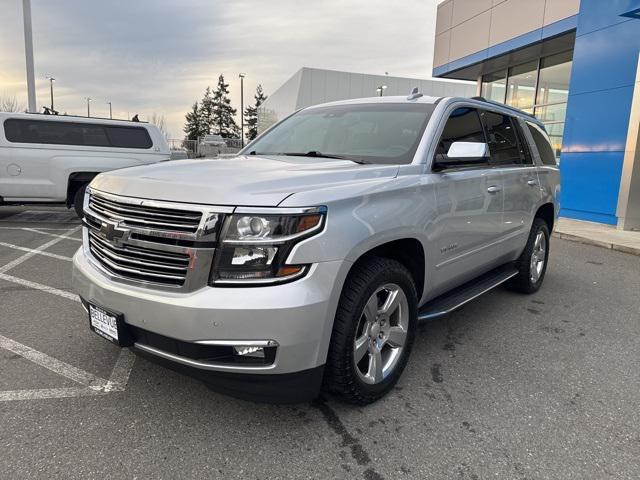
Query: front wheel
point(373, 331)
point(78, 200)
point(532, 264)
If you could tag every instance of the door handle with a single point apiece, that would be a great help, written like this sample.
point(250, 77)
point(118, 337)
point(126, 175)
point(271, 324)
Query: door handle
point(532, 183)
point(494, 189)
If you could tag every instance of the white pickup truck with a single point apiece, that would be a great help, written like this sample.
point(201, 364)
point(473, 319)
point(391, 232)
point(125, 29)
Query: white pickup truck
point(50, 158)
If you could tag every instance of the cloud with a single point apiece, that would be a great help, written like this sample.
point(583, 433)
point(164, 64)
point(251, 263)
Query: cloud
point(158, 56)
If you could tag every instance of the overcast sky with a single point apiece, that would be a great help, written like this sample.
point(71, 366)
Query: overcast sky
point(158, 56)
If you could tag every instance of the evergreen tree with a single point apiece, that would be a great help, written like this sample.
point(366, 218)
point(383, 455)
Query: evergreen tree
point(251, 114)
point(193, 126)
point(223, 113)
point(207, 111)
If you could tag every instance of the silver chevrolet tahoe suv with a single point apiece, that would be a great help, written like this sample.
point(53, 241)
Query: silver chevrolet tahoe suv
point(305, 262)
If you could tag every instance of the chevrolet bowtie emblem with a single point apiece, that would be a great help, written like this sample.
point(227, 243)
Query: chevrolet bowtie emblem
point(112, 232)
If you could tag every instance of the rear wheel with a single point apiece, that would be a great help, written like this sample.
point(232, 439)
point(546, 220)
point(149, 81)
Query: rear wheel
point(78, 199)
point(373, 331)
point(532, 264)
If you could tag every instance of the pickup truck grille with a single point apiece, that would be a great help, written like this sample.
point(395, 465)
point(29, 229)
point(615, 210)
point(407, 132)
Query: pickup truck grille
point(143, 216)
point(139, 263)
point(157, 244)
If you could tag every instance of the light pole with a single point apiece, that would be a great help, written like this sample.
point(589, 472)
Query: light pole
point(381, 89)
point(242, 75)
point(51, 80)
point(110, 112)
point(28, 53)
point(88, 99)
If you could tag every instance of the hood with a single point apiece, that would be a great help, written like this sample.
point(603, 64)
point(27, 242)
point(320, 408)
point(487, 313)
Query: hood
point(246, 180)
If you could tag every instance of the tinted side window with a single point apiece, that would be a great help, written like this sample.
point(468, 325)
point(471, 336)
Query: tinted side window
point(129, 137)
point(542, 143)
point(502, 139)
point(73, 133)
point(463, 125)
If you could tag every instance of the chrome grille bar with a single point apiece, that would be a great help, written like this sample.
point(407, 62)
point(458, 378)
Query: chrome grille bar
point(154, 243)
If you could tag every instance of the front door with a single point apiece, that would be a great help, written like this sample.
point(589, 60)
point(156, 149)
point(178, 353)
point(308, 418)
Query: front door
point(469, 203)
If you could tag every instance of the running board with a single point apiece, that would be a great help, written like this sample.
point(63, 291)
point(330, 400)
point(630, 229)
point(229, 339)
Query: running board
point(465, 293)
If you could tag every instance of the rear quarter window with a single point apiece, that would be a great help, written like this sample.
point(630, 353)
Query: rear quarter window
point(48, 132)
point(542, 144)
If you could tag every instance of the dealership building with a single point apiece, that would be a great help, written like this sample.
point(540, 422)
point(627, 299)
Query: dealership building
point(574, 65)
point(311, 86)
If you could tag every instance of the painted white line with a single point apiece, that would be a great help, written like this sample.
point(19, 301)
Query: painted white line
point(25, 249)
point(120, 373)
point(53, 364)
point(39, 286)
point(39, 228)
point(62, 237)
point(44, 393)
point(30, 254)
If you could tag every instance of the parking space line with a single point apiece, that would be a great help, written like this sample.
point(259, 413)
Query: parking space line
point(50, 363)
point(120, 373)
point(62, 237)
point(44, 393)
point(30, 254)
point(25, 249)
point(39, 286)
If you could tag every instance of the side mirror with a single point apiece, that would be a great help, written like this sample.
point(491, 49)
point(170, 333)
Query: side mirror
point(463, 153)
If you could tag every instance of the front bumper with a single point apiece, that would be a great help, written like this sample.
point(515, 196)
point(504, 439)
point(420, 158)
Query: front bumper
point(297, 316)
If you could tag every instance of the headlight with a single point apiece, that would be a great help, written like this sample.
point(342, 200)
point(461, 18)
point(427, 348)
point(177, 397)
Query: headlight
point(255, 245)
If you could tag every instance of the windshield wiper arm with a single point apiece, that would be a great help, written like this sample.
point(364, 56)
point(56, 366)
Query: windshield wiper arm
point(316, 154)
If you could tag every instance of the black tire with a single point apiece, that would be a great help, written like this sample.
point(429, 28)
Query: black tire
point(366, 277)
point(78, 199)
point(523, 281)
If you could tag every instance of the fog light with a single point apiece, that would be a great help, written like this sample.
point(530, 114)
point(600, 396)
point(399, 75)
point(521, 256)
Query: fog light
point(249, 351)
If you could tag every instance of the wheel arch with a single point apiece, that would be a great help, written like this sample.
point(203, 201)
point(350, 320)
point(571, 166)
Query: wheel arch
point(75, 181)
point(547, 213)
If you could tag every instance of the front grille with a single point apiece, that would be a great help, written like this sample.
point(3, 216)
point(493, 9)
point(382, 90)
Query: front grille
point(140, 263)
point(144, 216)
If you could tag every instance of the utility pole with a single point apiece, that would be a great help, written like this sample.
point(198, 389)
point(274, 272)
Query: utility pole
point(242, 75)
point(88, 99)
point(28, 52)
point(110, 113)
point(51, 80)
point(381, 89)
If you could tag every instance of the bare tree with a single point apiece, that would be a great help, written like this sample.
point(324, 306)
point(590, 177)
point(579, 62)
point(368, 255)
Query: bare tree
point(9, 103)
point(159, 121)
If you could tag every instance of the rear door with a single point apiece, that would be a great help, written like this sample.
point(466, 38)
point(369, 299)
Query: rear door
point(512, 160)
point(469, 203)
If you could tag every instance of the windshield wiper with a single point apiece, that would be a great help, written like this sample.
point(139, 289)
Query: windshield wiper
point(316, 154)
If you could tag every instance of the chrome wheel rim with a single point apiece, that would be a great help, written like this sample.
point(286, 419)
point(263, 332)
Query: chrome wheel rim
point(381, 334)
point(538, 256)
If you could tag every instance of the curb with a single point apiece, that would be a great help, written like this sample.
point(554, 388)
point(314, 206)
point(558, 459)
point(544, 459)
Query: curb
point(597, 243)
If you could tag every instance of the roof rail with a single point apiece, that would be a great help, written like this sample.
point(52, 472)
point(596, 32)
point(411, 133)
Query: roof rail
point(65, 115)
point(498, 104)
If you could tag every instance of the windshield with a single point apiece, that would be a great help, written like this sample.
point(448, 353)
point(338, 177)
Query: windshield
point(385, 133)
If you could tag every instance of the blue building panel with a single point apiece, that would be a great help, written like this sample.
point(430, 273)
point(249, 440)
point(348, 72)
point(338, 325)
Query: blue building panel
point(598, 14)
point(606, 58)
point(597, 121)
point(591, 181)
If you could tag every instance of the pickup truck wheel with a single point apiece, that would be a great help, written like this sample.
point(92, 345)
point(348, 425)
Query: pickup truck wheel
point(373, 331)
point(78, 200)
point(532, 264)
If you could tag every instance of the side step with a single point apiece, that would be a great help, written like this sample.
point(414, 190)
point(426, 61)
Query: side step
point(457, 297)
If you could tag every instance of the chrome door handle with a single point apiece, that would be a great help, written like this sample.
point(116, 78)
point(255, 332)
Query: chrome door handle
point(494, 189)
point(532, 183)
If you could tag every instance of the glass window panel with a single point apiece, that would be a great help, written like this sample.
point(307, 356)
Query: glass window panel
point(462, 126)
point(494, 86)
point(555, 131)
point(521, 85)
point(555, 73)
point(502, 139)
point(547, 154)
point(552, 113)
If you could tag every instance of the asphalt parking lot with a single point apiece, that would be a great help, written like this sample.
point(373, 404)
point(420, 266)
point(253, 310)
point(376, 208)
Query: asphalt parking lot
point(509, 387)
